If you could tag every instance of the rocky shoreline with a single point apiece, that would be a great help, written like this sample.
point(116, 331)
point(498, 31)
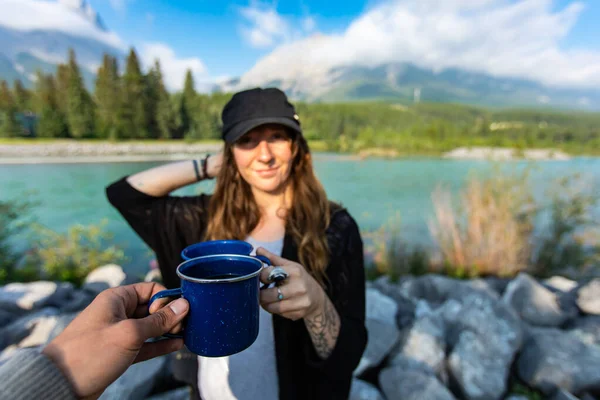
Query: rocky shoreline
point(430, 337)
point(71, 151)
point(506, 154)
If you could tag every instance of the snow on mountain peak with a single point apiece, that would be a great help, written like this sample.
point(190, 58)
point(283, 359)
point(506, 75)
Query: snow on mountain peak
point(85, 9)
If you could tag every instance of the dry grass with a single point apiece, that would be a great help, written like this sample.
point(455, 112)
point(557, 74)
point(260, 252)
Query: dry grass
point(485, 232)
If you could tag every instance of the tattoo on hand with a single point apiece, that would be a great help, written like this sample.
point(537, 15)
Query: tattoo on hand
point(324, 329)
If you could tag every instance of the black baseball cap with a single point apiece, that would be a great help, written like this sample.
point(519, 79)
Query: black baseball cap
point(254, 107)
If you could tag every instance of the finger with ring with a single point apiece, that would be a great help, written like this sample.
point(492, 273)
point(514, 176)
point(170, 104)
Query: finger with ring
point(277, 275)
point(279, 294)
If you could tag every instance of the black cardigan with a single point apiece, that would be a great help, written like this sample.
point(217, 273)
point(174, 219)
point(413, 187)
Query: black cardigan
point(170, 223)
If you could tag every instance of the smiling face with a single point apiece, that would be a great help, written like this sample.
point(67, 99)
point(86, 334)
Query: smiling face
point(264, 157)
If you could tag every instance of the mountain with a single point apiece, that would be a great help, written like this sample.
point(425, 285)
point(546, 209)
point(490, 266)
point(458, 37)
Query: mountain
point(406, 82)
point(24, 50)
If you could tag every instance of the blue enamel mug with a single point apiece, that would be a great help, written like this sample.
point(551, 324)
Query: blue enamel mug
point(216, 247)
point(223, 293)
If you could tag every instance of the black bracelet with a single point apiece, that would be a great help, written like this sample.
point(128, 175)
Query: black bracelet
point(196, 170)
point(205, 166)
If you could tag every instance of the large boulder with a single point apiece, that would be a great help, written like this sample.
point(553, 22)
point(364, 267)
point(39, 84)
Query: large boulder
point(588, 297)
point(586, 328)
point(552, 359)
point(137, 382)
point(102, 278)
point(425, 343)
point(484, 335)
point(536, 304)
point(400, 384)
point(362, 390)
point(560, 284)
point(21, 298)
point(437, 289)
point(18, 330)
point(382, 330)
point(479, 373)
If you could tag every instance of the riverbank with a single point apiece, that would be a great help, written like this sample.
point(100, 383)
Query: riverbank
point(48, 151)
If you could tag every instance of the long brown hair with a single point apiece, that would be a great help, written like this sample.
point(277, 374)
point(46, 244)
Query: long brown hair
point(233, 212)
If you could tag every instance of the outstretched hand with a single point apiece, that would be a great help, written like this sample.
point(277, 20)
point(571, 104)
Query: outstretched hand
point(301, 294)
point(110, 334)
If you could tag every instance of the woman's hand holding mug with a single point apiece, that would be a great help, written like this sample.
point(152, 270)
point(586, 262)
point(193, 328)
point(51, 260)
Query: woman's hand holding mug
point(299, 296)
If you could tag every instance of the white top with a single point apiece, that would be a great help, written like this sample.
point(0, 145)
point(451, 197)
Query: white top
point(252, 373)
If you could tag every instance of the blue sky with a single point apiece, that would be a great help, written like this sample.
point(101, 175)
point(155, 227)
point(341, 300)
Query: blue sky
point(554, 42)
point(213, 32)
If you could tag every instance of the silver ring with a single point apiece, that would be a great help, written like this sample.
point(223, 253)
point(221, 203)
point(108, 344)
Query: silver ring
point(279, 294)
point(277, 274)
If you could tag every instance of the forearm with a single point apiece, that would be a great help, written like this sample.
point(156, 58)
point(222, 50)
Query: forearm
point(324, 328)
point(162, 180)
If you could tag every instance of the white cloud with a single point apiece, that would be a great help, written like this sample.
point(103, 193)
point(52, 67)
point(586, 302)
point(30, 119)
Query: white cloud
point(29, 15)
point(265, 27)
point(173, 68)
point(498, 37)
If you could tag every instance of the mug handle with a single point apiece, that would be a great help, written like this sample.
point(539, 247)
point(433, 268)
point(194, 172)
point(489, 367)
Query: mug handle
point(163, 294)
point(266, 261)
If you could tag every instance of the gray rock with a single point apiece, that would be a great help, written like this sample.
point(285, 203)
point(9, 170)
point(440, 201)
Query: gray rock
point(79, 300)
point(362, 390)
point(516, 397)
point(425, 342)
point(437, 289)
point(410, 364)
point(478, 372)
point(563, 395)
point(496, 284)
point(406, 307)
point(493, 288)
point(560, 284)
point(105, 277)
point(25, 297)
point(6, 317)
point(137, 382)
point(383, 336)
point(588, 297)
point(423, 308)
point(485, 335)
point(552, 359)
point(177, 394)
point(400, 384)
point(488, 318)
point(535, 304)
point(18, 330)
point(40, 333)
point(380, 307)
point(587, 328)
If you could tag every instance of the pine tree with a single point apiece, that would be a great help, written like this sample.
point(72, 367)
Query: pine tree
point(188, 101)
point(9, 126)
point(107, 93)
point(163, 110)
point(52, 122)
point(136, 116)
point(22, 97)
point(80, 108)
point(62, 87)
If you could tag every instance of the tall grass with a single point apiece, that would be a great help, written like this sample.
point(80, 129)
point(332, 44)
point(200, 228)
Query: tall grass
point(485, 231)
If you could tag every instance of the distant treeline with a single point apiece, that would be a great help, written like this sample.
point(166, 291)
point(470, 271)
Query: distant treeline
point(136, 105)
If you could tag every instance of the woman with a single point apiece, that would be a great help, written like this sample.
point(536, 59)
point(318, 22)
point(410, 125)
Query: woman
point(312, 332)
